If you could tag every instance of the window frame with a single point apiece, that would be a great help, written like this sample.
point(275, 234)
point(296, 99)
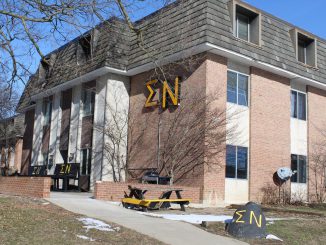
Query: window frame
point(297, 104)
point(91, 93)
point(236, 163)
point(297, 175)
point(47, 119)
point(237, 88)
point(88, 167)
point(237, 26)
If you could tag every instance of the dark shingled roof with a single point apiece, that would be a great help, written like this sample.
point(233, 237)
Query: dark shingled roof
point(176, 27)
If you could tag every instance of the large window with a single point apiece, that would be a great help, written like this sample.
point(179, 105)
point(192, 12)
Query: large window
point(236, 162)
point(237, 88)
point(86, 159)
point(88, 100)
point(298, 105)
point(299, 164)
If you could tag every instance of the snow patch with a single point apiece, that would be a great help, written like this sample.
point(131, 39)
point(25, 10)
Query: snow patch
point(198, 219)
point(85, 238)
point(273, 237)
point(90, 223)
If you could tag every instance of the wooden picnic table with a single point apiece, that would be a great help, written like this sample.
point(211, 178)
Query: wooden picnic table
point(136, 198)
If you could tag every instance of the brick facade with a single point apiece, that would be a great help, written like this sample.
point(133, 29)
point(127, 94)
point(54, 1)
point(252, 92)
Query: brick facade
point(37, 187)
point(270, 139)
point(114, 191)
point(316, 137)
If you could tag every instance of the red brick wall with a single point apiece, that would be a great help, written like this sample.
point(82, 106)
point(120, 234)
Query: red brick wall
point(214, 176)
point(114, 191)
point(25, 186)
point(270, 139)
point(316, 138)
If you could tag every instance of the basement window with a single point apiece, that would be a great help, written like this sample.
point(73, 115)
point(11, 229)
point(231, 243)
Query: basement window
point(247, 24)
point(306, 49)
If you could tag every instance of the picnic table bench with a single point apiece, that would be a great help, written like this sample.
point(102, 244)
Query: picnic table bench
point(136, 198)
point(65, 172)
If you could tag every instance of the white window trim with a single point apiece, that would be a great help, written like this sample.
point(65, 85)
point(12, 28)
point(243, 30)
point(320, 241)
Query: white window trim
point(297, 173)
point(236, 164)
point(306, 102)
point(248, 85)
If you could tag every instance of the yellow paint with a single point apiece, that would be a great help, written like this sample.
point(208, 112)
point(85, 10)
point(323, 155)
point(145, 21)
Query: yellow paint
point(147, 202)
point(149, 102)
point(68, 168)
point(252, 214)
point(240, 216)
point(174, 96)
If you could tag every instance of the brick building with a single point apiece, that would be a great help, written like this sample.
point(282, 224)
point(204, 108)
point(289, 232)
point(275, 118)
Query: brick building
point(11, 141)
point(267, 72)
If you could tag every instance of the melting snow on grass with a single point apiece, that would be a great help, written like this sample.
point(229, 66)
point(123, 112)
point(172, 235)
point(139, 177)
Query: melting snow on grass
point(198, 219)
point(90, 223)
point(86, 238)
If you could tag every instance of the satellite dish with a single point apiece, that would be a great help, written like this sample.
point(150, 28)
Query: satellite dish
point(282, 175)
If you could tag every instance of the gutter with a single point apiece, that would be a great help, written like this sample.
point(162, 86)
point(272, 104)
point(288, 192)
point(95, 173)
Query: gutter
point(205, 47)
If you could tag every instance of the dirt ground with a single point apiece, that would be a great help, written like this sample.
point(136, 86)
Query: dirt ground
point(35, 221)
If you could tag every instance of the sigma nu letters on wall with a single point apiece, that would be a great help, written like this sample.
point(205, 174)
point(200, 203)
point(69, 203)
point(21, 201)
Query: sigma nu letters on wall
point(166, 93)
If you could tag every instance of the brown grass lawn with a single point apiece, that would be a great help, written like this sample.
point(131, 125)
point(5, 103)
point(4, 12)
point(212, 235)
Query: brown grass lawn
point(35, 221)
point(308, 227)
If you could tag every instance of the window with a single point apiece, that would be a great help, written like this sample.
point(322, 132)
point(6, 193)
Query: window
point(243, 26)
point(45, 158)
point(237, 88)
point(236, 162)
point(88, 100)
point(84, 49)
point(306, 49)
point(47, 111)
point(247, 24)
point(299, 164)
point(298, 105)
point(86, 158)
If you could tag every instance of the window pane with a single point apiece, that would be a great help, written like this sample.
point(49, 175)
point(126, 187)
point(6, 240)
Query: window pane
point(84, 161)
point(230, 161)
point(294, 95)
point(301, 106)
point(294, 167)
point(232, 87)
point(301, 51)
point(302, 169)
point(243, 90)
point(242, 163)
point(243, 27)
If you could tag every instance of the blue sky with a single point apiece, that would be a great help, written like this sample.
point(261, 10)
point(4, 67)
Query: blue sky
point(308, 15)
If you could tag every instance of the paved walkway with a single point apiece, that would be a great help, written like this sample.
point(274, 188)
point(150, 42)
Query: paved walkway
point(167, 231)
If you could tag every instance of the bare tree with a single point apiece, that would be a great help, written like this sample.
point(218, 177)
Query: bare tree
point(193, 136)
point(317, 169)
point(29, 27)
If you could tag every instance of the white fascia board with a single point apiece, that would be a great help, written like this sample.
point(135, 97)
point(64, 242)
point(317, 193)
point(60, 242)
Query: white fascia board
point(205, 47)
point(264, 66)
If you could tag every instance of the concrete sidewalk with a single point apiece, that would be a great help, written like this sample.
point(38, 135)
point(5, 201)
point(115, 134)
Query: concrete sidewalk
point(167, 231)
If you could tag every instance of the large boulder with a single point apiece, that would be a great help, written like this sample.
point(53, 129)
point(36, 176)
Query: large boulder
point(248, 222)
